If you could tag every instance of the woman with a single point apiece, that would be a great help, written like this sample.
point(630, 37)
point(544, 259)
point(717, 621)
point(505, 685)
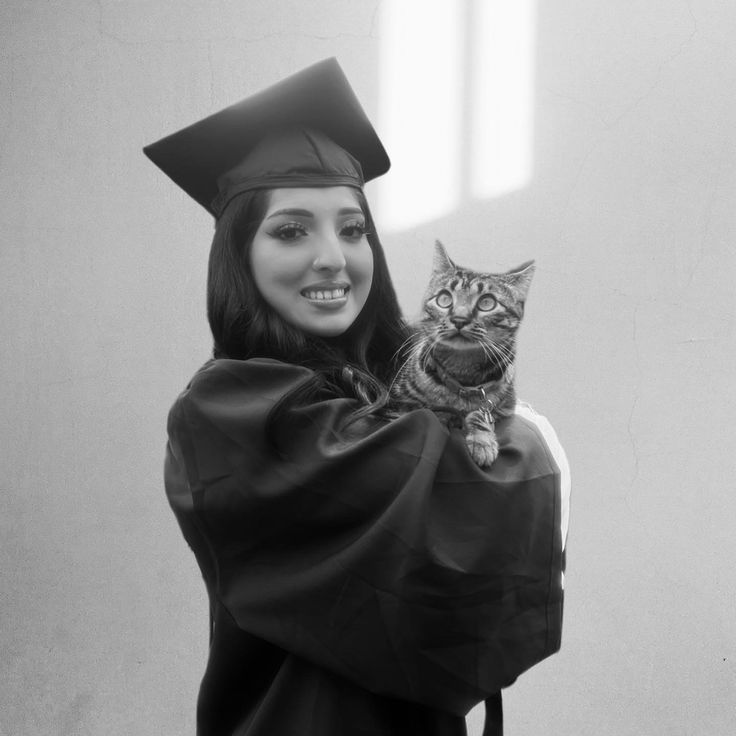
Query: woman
point(364, 576)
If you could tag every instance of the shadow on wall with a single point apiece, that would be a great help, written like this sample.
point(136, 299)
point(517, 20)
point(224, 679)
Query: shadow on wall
point(456, 88)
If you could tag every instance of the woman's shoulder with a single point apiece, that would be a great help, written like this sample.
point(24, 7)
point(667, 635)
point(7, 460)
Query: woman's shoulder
point(252, 369)
point(224, 385)
point(263, 375)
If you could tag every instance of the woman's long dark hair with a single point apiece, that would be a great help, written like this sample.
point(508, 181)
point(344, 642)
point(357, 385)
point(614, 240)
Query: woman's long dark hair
point(359, 364)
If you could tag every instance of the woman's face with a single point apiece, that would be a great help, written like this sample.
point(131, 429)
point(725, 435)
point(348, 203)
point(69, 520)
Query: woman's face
point(311, 260)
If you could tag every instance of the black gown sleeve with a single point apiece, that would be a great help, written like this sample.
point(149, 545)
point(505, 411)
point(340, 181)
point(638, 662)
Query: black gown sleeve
point(381, 553)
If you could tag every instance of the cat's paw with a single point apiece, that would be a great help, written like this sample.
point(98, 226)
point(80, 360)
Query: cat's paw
point(483, 448)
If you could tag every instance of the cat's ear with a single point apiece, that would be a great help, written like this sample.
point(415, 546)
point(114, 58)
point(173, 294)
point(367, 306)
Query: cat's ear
point(521, 278)
point(442, 261)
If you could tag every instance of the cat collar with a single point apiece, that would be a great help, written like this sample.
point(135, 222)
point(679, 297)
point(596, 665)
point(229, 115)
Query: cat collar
point(469, 392)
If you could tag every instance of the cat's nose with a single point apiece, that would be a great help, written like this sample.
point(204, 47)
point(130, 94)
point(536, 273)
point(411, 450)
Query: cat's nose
point(460, 321)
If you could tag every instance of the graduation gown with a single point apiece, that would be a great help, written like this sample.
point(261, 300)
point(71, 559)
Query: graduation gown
point(363, 581)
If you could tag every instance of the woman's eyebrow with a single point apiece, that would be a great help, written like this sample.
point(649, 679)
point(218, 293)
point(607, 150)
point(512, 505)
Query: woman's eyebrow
point(297, 212)
point(294, 212)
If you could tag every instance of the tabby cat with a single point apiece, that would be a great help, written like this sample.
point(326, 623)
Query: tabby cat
point(461, 353)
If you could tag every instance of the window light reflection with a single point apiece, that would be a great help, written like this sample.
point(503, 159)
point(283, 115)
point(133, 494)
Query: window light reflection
point(455, 109)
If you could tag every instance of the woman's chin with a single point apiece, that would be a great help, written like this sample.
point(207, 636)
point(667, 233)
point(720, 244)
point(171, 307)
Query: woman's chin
point(326, 327)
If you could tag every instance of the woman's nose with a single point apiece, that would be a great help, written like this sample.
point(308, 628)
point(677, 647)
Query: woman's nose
point(330, 256)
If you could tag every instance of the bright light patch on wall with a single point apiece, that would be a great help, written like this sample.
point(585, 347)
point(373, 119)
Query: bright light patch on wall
point(501, 96)
point(420, 109)
point(455, 110)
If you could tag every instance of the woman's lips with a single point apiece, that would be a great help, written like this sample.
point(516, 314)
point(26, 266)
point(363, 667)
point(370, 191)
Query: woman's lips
point(327, 297)
point(324, 294)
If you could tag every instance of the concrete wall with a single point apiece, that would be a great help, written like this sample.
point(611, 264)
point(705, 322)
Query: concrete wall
point(628, 344)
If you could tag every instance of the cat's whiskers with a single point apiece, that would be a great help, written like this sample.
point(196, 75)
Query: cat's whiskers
point(486, 350)
point(427, 357)
point(494, 358)
point(500, 349)
point(399, 374)
point(445, 331)
point(414, 355)
point(498, 354)
point(413, 340)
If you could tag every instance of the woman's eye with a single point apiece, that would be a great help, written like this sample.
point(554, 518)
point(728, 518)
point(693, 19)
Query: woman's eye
point(290, 231)
point(486, 303)
point(353, 230)
point(444, 299)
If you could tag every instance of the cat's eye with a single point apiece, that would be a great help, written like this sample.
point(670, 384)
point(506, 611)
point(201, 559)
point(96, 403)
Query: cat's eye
point(444, 299)
point(486, 303)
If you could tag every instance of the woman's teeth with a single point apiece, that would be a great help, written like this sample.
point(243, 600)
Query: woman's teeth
point(323, 295)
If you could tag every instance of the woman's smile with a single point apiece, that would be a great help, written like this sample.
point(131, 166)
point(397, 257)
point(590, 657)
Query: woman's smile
point(328, 295)
point(311, 260)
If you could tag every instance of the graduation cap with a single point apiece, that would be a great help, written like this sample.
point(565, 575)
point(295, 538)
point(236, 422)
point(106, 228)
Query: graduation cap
point(307, 130)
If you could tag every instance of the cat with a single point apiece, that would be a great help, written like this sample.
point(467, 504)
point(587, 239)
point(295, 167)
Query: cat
point(461, 353)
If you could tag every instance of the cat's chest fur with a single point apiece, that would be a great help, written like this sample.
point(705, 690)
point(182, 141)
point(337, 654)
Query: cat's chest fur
point(459, 375)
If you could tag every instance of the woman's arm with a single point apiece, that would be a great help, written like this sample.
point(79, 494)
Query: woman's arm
point(383, 554)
